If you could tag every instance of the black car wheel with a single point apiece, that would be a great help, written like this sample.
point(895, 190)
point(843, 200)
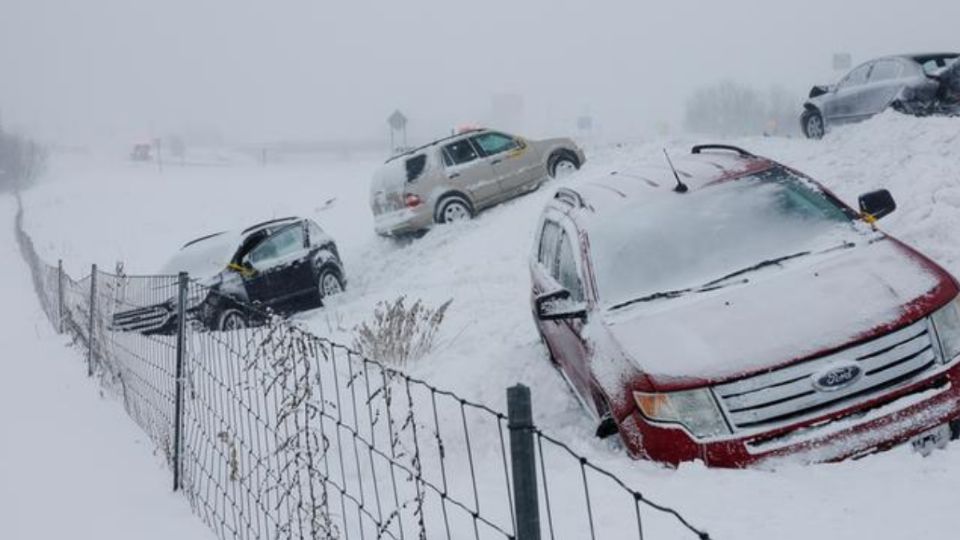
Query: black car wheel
point(813, 126)
point(231, 319)
point(329, 283)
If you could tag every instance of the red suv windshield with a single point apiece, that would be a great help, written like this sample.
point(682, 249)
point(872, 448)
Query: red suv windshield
point(686, 241)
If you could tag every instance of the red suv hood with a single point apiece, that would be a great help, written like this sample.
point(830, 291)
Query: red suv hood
point(783, 315)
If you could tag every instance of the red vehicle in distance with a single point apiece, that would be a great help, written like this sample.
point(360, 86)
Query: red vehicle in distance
point(734, 311)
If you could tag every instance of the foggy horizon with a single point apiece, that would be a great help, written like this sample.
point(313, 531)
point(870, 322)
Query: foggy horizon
point(296, 70)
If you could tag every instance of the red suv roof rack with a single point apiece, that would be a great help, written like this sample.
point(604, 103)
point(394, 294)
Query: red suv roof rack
point(700, 147)
point(569, 196)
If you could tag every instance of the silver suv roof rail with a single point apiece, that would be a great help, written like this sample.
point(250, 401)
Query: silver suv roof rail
point(434, 142)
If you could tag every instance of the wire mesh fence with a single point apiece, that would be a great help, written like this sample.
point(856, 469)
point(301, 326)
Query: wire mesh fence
point(273, 432)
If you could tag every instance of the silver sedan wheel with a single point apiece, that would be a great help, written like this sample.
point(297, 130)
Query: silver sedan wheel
point(564, 168)
point(329, 285)
point(455, 211)
point(815, 126)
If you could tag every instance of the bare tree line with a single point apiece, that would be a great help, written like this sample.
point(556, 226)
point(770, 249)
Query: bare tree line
point(729, 108)
point(21, 160)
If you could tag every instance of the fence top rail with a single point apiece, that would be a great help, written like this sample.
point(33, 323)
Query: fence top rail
point(123, 275)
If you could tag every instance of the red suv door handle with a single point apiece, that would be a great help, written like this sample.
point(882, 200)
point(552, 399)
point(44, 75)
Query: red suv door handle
point(455, 175)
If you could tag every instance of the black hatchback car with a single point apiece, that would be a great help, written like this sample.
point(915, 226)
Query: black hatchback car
point(918, 84)
point(283, 265)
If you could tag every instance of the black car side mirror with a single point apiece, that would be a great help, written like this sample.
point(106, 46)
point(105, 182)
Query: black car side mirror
point(557, 305)
point(877, 204)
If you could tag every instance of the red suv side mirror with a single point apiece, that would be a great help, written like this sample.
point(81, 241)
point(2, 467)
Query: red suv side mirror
point(877, 204)
point(557, 305)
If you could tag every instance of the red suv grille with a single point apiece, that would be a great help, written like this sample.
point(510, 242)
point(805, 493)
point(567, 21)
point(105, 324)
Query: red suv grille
point(855, 374)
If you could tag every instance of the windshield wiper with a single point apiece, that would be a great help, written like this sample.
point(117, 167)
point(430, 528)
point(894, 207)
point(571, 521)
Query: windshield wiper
point(775, 262)
point(758, 266)
point(719, 282)
point(674, 294)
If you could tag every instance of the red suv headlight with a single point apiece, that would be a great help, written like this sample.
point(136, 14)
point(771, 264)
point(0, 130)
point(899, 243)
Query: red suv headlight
point(696, 410)
point(947, 323)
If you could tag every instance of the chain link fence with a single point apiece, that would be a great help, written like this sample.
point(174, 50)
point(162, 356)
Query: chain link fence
point(272, 432)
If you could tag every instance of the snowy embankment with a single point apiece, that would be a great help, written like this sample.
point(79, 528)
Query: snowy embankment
point(72, 465)
point(104, 211)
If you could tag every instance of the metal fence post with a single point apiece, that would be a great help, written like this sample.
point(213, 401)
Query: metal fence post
point(182, 282)
point(523, 459)
point(59, 296)
point(91, 340)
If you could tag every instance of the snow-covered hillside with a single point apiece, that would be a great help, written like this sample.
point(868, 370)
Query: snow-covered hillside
point(90, 210)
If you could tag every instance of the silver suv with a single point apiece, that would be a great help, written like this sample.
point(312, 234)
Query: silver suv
point(452, 179)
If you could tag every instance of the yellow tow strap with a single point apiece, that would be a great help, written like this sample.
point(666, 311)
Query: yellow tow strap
point(244, 271)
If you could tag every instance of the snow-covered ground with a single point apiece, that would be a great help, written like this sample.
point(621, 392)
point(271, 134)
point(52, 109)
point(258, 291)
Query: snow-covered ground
point(72, 464)
point(104, 210)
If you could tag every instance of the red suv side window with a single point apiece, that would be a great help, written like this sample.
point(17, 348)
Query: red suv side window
point(567, 267)
point(547, 255)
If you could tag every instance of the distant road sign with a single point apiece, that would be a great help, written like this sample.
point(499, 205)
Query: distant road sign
point(397, 120)
point(842, 61)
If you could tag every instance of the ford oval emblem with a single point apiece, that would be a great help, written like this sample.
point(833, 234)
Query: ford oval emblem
point(836, 377)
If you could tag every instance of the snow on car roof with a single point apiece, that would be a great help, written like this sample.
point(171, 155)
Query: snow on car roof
point(205, 256)
point(641, 184)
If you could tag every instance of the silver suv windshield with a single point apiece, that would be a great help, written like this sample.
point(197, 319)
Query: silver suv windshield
point(702, 239)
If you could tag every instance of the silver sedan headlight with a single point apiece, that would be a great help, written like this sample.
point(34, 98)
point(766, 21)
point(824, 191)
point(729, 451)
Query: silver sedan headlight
point(946, 321)
point(695, 410)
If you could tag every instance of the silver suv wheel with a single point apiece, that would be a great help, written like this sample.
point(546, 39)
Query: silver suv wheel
point(563, 168)
point(454, 210)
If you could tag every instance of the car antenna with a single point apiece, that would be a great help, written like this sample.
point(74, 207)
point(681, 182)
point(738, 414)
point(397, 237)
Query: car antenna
point(681, 187)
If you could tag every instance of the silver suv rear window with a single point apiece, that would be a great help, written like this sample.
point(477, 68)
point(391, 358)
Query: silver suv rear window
point(415, 167)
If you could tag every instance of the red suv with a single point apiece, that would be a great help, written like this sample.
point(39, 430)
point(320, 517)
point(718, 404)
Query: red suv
point(734, 311)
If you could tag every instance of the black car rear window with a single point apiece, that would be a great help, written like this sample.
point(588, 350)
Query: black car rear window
point(415, 166)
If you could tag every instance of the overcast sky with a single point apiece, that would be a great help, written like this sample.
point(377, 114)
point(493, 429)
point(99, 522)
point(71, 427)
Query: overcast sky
point(309, 69)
